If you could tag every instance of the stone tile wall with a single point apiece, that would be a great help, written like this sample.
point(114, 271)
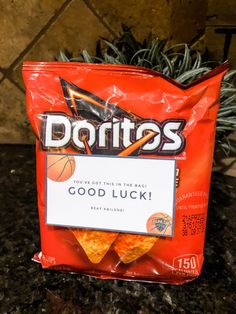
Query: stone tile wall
point(221, 17)
point(39, 29)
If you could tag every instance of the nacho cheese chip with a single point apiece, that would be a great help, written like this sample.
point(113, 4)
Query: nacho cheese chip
point(95, 243)
point(130, 247)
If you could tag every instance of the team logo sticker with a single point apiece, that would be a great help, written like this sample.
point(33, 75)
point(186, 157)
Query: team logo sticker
point(160, 223)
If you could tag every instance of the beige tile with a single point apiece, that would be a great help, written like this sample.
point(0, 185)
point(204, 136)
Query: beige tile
point(143, 16)
point(181, 21)
point(232, 53)
point(221, 12)
point(76, 29)
point(21, 20)
point(14, 126)
point(215, 46)
point(187, 20)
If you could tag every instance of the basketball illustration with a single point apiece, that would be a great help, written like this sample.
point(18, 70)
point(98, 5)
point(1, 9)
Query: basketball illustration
point(60, 167)
point(160, 223)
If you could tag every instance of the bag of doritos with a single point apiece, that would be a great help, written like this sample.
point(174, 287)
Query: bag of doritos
point(124, 158)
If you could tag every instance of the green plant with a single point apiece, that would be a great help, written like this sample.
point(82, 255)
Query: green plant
point(179, 62)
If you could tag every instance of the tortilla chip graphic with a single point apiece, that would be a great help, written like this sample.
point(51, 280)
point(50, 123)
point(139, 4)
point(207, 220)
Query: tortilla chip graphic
point(130, 247)
point(95, 243)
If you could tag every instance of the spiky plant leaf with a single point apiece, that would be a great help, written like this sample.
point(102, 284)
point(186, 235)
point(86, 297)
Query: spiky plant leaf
point(188, 76)
point(85, 55)
point(179, 62)
point(63, 57)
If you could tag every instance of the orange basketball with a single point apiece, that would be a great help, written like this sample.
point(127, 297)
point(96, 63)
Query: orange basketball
point(60, 167)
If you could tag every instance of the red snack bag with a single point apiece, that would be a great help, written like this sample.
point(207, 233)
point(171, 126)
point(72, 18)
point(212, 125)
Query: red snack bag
point(124, 159)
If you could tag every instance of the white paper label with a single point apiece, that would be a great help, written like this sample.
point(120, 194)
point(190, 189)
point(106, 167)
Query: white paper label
point(123, 194)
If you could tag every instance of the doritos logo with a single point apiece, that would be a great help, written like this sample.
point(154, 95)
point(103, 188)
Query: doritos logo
point(103, 127)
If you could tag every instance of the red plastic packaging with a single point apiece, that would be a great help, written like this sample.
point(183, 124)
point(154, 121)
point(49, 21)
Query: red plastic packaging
point(99, 93)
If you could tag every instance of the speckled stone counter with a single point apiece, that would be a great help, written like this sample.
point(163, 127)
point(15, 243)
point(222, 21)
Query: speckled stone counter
point(26, 288)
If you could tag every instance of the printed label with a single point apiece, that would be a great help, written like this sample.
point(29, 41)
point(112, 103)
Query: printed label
point(124, 194)
point(186, 265)
point(111, 129)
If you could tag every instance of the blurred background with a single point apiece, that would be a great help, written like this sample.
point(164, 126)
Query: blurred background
point(40, 29)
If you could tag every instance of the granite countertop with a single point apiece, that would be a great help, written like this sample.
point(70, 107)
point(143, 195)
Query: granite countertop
point(26, 288)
